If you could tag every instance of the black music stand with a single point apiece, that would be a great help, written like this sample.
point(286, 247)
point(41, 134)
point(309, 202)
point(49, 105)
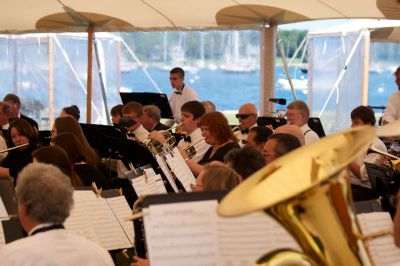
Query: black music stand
point(44, 137)
point(99, 136)
point(147, 98)
point(273, 121)
point(315, 124)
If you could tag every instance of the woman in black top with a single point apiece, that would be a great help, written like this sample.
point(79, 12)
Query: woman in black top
point(87, 173)
point(217, 132)
point(21, 132)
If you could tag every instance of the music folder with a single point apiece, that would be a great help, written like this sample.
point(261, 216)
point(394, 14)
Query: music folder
point(147, 98)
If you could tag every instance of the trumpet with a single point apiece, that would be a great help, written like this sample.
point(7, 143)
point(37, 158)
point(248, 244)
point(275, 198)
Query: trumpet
point(156, 147)
point(190, 150)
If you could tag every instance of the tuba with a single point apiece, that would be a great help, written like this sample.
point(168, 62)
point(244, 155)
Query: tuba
point(307, 192)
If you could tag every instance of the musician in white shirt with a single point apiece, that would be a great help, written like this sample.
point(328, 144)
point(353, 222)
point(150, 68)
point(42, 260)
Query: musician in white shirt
point(248, 119)
point(134, 111)
point(181, 93)
point(44, 202)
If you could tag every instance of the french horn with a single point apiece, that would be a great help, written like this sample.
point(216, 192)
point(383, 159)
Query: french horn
point(307, 192)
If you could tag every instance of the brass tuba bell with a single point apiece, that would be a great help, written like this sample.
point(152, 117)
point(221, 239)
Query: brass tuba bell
point(307, 192)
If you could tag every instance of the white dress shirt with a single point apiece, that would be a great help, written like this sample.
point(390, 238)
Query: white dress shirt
point(198, 142)
point(309, 135)
point(242, 136)
point(392, 112)
point(177, 100)
point(141, 134)
point(54, 248)
point(369, 158)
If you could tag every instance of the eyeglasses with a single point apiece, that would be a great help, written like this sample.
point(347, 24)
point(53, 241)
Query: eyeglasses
point(243, 116)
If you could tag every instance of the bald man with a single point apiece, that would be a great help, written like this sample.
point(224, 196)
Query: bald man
point(292, 130)
point(247, 119)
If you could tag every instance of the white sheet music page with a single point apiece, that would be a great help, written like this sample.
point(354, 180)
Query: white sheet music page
point(93, 218)
point(244, 239)
point(121, 210)
point(382, 250)
point(150, 186)
point(181, 169)
point(4, 217)
point(182, 234)
point(164, 168)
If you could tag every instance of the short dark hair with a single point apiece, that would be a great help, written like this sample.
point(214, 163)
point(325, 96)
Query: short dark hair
point(73, 111)
point(245, 161)
point(262, 133)
point(196, 108)
point(117, 110)
point(365, 113)
point(178, 70)
point(12, 98)
point(285, 143)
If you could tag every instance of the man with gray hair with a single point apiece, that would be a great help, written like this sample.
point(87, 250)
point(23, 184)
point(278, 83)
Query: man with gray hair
point(298, 114)
point(45, 200)
point(151, 118)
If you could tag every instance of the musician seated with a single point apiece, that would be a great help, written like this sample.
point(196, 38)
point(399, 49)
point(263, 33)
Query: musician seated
point(298, 114)
point(72, 110)
point(191, 113)
point(5, 115)
point(247, 119)
point(116, 114)
point(216, 178)
point(209, 106)
point(258, 136)
point(71, 125)
point(86, 172)
point(279, 144)
point(21, 132)
point(151, 118)
point(134, 112)
point(56, 156)
point(44, 202)
point(217, 133)
point(359, 180)
point(245, 161)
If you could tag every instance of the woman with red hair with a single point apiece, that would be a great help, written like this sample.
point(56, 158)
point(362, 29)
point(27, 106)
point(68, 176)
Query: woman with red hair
point(217, 133)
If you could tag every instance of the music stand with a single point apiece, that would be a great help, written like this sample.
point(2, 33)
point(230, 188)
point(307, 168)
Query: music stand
point(147, 98)
point(44, 137)
point(98, 137)
point(315, 124)
point(273, 121)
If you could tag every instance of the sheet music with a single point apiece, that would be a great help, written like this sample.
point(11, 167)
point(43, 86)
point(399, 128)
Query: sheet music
point(92, 218)
point(121, 210)
point(192, 233)
point(382, 250)
point(181, 169)
point(182, 234)
point(244, 239)
point(167, 173)
point(4, 217)
point(153, 185)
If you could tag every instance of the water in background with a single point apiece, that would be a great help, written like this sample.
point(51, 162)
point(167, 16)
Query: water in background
point(229, 90)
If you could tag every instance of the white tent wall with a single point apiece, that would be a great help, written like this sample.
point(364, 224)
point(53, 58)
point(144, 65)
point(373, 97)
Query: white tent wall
point(327, 57)
point(24, 68)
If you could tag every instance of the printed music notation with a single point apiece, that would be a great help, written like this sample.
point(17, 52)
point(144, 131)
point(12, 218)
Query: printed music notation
point(148, 185)
point(192, 233)
point(382, 249)
point(164, 167)
point(3, 216)
point(181, 169)
point(101, 220)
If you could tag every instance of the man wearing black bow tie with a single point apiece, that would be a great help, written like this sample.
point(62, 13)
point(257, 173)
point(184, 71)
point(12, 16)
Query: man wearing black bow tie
point(134, 111)
point(247, 118)
point(45, 201)
point(181, 93)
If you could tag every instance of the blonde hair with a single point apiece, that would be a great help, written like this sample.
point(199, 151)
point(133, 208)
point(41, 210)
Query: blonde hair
point(219, 178)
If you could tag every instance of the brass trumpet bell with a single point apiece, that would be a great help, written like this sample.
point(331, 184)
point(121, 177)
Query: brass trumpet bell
point(307, 193)
point(156, 147)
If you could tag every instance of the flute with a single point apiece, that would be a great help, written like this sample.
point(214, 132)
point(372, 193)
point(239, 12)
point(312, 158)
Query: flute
point(13, 148)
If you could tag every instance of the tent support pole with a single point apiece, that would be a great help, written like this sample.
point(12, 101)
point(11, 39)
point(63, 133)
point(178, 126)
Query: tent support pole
point(267, 68)
point(89, 75)
point(51, 78)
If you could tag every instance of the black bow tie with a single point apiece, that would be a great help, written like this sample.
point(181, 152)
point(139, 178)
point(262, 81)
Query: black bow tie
point(187, 139)
point(130, 134)
point(244, 131)
point(178, 92)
